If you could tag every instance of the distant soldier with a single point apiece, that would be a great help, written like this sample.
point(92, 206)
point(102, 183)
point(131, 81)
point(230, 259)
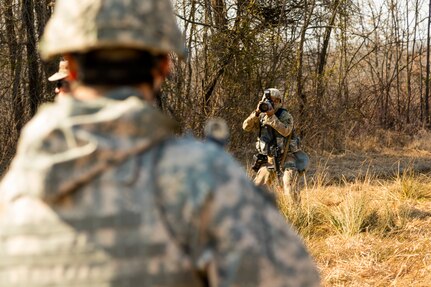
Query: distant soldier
point(278, 155)
point(101, 192)
point(62, 86)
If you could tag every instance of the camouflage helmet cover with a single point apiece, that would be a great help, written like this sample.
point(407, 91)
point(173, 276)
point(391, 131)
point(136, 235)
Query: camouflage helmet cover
point(85, 25)
point(274, 93)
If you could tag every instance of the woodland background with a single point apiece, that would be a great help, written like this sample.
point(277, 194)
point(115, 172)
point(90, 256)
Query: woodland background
point(347, 68)
point(355, 75)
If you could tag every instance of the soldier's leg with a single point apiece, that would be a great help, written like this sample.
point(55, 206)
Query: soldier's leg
point(264, 176)
point(300, 181)
point(290, 178)
point(290, 187)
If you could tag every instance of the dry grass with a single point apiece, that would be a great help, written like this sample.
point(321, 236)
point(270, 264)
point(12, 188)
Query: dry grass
point(365, 214)
point(368, 232)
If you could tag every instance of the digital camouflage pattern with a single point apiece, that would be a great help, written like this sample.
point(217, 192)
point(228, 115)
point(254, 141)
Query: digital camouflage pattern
point(100, 195)
point(80, 26)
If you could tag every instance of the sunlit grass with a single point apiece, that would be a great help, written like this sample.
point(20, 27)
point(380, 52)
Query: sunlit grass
point(366, 232)
point(408, 186)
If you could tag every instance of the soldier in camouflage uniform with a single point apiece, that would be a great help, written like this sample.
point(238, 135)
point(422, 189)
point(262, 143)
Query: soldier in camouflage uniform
point(276, 129)
point(101, 192)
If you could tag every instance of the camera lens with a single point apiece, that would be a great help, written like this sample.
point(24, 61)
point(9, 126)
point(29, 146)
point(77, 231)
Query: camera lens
point(263, 107)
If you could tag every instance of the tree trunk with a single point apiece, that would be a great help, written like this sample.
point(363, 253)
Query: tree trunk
point(15, 66)
point(427, 83)
point(33, 74)
point(309, 9)
point(324, 53)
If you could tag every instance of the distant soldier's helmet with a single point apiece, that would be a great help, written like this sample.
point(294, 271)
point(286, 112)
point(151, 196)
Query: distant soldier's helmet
point(62, 73)
point(86, 25)
point(274, 93)
point(216, 130)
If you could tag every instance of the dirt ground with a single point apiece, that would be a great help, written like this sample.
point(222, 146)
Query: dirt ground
point(350, 166)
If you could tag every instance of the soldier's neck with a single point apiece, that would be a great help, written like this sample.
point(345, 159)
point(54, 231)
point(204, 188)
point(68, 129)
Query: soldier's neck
point(87, 93)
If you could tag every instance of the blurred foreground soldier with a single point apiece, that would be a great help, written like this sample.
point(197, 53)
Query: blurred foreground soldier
point(102, 194)
point(279, 156)
point(62, 86)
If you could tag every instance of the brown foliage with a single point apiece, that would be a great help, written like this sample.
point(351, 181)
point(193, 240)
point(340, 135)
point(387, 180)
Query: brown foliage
point(343, 76)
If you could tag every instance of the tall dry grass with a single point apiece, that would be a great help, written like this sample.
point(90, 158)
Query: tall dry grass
point(368, 232)
point(365, 214)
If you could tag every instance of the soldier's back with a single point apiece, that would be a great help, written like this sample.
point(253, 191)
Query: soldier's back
point(112, 199)
point(87, 221)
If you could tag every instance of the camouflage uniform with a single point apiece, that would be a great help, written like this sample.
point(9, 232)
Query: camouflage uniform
point(101, 193)
point(283, 125)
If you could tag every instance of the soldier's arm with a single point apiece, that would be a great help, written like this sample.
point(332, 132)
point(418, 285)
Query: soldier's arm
point(283, 125)
point(232, 233)
point(251, 123)
point(251, 242)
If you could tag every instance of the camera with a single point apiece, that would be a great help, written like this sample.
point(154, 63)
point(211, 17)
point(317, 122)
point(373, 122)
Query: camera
point(266, 104)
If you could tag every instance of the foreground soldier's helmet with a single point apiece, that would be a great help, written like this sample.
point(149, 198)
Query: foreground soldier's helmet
point(84, 25)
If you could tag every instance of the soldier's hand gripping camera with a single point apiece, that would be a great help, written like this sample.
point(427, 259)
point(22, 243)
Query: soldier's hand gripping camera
point(266, 103)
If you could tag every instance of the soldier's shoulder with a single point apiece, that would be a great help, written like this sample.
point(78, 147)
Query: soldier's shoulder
point(190, 166)
point(188, 151)
point(284, 114)
point(284, 111)
point(45, 120)
point(190, 172)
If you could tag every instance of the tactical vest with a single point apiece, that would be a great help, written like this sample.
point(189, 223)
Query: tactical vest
point(269, 138)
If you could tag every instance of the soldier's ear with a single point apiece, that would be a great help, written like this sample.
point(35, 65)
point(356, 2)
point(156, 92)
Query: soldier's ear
point(161, 71)
point(73, 68)
point(165, 66)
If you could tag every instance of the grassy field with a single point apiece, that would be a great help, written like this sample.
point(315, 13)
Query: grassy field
point(369, 233)
point(366, 217)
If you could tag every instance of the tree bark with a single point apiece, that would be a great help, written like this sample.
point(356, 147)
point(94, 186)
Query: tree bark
point(309, 9)
point(33, 74)
point(427, 79)
point(324, 52)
